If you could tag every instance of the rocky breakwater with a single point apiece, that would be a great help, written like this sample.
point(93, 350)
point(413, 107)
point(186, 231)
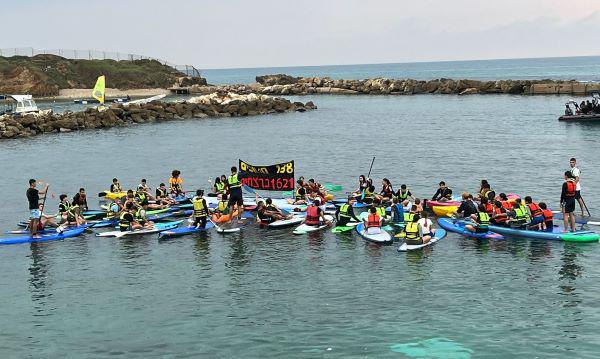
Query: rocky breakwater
point(282, 84)
point(213, 105)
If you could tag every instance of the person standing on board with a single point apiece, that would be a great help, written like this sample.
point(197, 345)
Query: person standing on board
point(33, 197)
point(576, 172)
point(235, 193)
point(567, 201)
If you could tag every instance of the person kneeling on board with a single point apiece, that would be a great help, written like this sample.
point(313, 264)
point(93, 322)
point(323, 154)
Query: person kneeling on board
point(200, 210)
point(345, 213)
point(373, 222)
point(479, 221)
point(315, 216)
point(535, 213)
point(518, 217)
point(499, 216)
point(548, 217)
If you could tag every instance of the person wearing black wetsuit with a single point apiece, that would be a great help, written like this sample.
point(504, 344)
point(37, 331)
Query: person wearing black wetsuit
point(443, 193)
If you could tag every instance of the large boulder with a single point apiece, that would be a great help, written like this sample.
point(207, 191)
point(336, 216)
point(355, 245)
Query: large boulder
point(278, 79)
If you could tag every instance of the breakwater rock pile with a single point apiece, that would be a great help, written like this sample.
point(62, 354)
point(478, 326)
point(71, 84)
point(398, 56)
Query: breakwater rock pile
point(213, 105)
point(282, 84)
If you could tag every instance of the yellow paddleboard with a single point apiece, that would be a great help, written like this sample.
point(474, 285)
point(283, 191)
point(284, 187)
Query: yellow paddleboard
point(444, 211)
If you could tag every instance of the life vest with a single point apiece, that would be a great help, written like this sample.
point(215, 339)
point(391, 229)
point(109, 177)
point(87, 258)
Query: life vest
point(199, 208)
point(109, 212)
point(484, 192)
point(116, 187)
point(489, 208)
point(124, 224)
point(175, 184)
point(548, 215)
point(403, 196)
point(411, 230)
point(220, 187)
point(344, 209)
point(571, 188)
point(299, 196)
point(139, 217)
point(499, 215)
point(161, 192)
point(381, 212)
point(483, 219)
point(234, 182)
point(141, 198)
point(409, 217)
point(387, 191)
point(263, 217)
point(524, 209)
point(369, 193)
point(520, 214)
point(506, 204)
point(535, 210)
point(69, 211)
point(223, 207)
point(312, 216)
point(373, 220)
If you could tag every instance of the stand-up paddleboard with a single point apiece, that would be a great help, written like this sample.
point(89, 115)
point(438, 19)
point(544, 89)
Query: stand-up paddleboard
point(345, 229)
point(182, 231)
point(158, 227)
point(44, 237)
point(440, 233)
point(283, 223)
point(381, 238)
point(459, 227)
point(304, 228)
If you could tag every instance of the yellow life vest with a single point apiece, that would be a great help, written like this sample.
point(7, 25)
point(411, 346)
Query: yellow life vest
point(412, 230)
point(199, 208)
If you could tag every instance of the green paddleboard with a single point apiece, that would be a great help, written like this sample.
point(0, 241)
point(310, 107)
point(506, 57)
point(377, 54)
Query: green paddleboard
point(342, 229)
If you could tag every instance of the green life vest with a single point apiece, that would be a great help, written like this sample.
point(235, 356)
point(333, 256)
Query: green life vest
point(403, 196)
point(344, 209)
point(381, 212)
point(222, 207)
point(483, 219)
point(220, 187)
point(521, 215)
point(199, 208)
point(233, 181)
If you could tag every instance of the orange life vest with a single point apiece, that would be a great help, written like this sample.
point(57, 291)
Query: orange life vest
point(536, 211)
point(489, 208)
point(312, 216)
point(373, 220)
point(548, 215)
point(571, 188)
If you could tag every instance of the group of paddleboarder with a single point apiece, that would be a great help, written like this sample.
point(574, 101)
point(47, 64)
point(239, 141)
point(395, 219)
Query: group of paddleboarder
point(405, 209)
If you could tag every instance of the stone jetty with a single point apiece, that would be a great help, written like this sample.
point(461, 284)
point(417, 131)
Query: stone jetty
point(282, 84)
point(213, 105)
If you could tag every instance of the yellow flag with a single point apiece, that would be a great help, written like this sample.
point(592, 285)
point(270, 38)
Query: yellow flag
point(99, 89)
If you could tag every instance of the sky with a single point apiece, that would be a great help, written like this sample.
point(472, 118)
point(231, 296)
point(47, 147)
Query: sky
point(266, 33)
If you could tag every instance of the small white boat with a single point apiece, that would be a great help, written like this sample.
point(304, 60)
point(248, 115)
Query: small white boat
point(19, 104)
point(144, 100)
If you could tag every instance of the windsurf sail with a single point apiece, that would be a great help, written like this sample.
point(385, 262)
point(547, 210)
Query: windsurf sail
point(99, 89)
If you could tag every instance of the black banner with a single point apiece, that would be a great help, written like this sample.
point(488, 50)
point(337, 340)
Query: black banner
point(279, 177)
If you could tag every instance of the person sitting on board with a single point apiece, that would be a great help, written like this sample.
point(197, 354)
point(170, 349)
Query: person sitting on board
point(503, 198)
point(499, 216)
point(315, 216)
point(362, 186)
point(222, 206)
point(113, 208)
point(387, 191)
point(274, 211)
point(162, 196)
point(397, 211)
point(535, 213)
point(368, 194)
point(467, 206)
point(144, 185)
point(115, 186)
point(419, 205)
point(412, 212)
point(300, 195)
point(236, 199)
point(176, 184)
point(380, 208)
point(314, 187)
point(480, 221)
point(129, 198)
point(484, 191)
point(518, 216)
point(373, 221)
point(80, 200)
point(218, 188)
point(487, 205)
point(127, 219)
point(568, 111)
point(426, 230)
point(67, 213)
point(47, 220)
point(143, 199)
point(345, 213)
point(567, 201)
point(262, 215)
point(548, 225)
point(200, 213)
point(141, 219)
point(412, 233)
point(443, 193)
point(404, 194)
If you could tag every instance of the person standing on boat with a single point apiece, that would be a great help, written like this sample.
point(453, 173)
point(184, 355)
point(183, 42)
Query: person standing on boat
point(33, 197)
point(576, 172)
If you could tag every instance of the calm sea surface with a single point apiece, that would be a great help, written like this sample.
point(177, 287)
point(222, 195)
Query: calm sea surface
point(271, 294)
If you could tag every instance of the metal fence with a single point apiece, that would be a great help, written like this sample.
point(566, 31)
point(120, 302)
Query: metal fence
point(187, 70)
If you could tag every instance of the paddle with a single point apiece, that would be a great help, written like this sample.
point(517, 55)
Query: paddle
point(586, 207)
point(43, 203)
point(362, 196)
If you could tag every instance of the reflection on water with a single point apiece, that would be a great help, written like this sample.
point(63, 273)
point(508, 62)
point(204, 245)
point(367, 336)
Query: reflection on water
point(38, 271)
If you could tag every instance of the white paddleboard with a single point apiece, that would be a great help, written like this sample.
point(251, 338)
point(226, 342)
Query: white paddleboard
point(287, 222)
point(440, 233)
point(382, 238)
point(304, 228)
point(159, 227)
